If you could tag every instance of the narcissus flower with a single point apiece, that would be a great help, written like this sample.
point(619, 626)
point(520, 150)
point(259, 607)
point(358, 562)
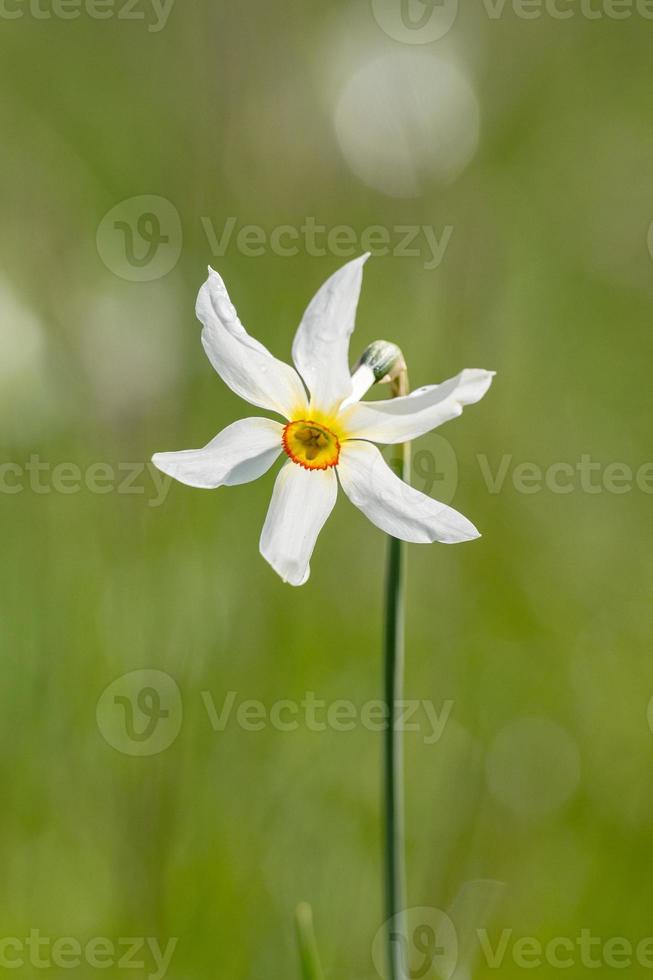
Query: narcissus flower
point(328, 435)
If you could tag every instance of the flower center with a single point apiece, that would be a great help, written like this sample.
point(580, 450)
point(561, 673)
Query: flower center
point(311, 445)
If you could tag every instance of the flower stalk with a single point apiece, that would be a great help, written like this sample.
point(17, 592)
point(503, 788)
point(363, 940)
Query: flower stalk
point(394, 656)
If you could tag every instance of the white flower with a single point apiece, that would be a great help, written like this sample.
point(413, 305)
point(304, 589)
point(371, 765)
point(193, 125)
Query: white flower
point(328, 437)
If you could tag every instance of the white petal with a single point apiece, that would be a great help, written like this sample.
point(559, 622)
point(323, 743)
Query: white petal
point(393, 505)
point(402, 419)
point(240, 453)
point(242, 362)
point(321, 346)
point(362, 380)
point(301, 502)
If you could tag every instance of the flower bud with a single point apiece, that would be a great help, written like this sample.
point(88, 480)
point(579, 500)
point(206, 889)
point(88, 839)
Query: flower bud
point(384, 359)
point(380, 363)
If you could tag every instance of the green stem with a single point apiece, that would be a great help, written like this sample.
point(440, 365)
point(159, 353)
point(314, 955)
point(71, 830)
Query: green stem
point(395, 872)
point(308, 954)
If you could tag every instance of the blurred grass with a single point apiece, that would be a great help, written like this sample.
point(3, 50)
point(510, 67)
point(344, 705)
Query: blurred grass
point(547, 280)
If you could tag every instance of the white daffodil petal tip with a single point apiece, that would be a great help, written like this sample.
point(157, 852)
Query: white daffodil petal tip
point(393, 505)
point(239, 454)
point(321, 346)
point(301, 503)
point(243, 363)
point(402, 419)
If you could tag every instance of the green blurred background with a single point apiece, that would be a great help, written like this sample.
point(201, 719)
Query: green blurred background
point(531, 140)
